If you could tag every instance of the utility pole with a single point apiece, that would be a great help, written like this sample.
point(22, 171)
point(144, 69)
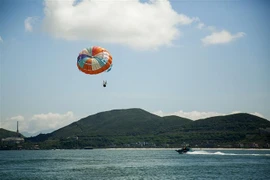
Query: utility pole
point(18, 128)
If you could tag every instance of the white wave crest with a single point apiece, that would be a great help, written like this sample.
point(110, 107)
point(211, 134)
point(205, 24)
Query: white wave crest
point(223, 153)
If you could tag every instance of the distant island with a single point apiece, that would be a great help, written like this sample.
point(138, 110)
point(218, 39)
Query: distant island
point(137, 128)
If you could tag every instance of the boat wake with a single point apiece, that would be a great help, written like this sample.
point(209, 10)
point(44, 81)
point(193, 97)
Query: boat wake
point(224, 154)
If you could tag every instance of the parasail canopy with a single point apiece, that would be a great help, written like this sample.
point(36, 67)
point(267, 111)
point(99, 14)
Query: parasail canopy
point(94, 60)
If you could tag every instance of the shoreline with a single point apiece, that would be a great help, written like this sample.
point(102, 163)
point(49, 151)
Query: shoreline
point(147, 149)
point(196, 149)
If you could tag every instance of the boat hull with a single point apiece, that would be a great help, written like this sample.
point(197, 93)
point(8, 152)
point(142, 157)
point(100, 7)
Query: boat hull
point(183, 150)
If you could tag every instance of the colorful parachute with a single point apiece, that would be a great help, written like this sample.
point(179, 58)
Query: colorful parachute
point(94, 60)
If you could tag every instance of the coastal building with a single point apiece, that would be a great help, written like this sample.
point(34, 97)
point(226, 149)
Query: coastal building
point(13, 140)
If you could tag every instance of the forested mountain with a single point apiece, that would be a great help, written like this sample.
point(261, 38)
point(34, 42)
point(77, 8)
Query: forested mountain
point(139, 128)
point(121, 122)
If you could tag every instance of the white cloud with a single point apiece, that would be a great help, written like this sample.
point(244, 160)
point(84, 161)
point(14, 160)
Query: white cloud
point(212, 28)
point(217, 36)
point(17, 118)
point(39, 122)
point(50, 121)
point(11, 123)
point(28, 23)
point(1, 40)
point(124, 22)
point(258, 114)
point(221, 37)
point(195, 115)
point(200, 25)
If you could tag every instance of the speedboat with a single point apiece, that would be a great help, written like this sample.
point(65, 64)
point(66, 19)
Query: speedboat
point(183, 150)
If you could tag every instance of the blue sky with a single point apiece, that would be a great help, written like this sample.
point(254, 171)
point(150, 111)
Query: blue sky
point(194, 59)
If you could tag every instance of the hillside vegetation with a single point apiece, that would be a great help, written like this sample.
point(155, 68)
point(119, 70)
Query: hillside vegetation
point(5, 133)
point(139, 128)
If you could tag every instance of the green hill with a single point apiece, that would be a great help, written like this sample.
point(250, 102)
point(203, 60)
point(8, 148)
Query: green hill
point(242, 122)
point(139, 128)
point(231, 130)
point(5, 133)
point(121, 122)
point(115, 122)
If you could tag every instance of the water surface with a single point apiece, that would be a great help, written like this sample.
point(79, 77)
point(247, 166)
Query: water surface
point(123, 164)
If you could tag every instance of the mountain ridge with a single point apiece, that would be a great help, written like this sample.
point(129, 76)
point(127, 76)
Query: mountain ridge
point(128, 127)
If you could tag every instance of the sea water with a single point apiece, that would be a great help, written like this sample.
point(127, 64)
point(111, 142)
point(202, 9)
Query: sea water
point(134, 164)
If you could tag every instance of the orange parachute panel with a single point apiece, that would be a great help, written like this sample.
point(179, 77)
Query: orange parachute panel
point(94, 60)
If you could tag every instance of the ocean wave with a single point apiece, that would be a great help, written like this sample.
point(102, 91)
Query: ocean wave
point(223, 153)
